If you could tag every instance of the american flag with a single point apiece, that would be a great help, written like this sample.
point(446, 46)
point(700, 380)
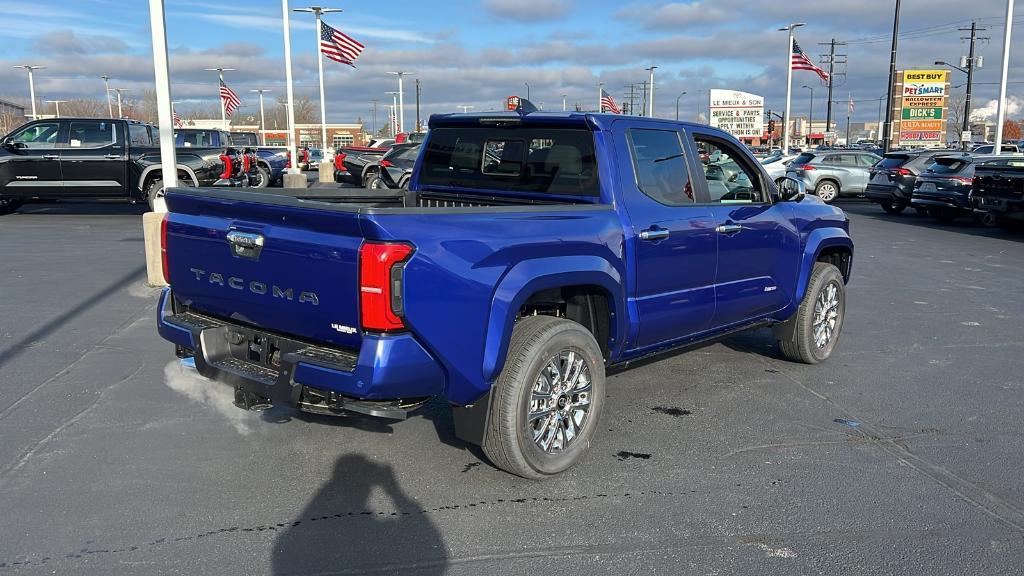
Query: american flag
point(339, 46)
point(608, 103)
point(228, 98)
point(177, 120)
point(800, 61)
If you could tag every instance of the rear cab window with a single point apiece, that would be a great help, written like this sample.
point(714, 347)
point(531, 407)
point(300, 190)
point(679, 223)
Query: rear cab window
point(138, 135)
point(660, 166)
point(518, 159)
point(948, 165)
point(92, 134)
point(892, 161)
point(802, 159)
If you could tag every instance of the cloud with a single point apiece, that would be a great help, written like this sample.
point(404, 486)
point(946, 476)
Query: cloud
point(68, 42)
point(677, 15)
point(989, 111)
point(529, 10)
point(303, 22)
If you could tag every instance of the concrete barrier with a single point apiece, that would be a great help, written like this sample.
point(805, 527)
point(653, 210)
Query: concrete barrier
point(326, 172)
point(151, 236)
point(297, 180)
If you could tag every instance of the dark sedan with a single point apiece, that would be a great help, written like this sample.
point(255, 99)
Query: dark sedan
point(892, 179)
point(943, 190)
point(395, 168)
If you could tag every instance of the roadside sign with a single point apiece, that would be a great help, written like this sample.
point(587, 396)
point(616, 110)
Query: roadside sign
point(965, 136)
point(738, 113)
point(512, 102)
point(923, 99)
point(922, 113)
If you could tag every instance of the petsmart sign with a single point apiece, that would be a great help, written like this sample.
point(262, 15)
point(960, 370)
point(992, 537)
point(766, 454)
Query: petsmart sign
point(923, 101)
point(738, 113)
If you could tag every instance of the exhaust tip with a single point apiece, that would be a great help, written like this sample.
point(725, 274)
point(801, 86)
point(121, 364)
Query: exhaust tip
point(251, 401)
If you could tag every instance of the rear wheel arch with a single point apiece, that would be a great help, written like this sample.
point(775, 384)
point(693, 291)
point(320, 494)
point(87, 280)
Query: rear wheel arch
point(156, 172)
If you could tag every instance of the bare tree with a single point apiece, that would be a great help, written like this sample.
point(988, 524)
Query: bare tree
point(84, 108)
point(955, 116)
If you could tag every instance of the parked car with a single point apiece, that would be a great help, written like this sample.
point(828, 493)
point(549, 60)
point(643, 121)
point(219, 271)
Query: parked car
point(529, 255)
point(395, 168)
point(833, 173)
point(360, 167)
point(990, 148)
point(271, 161)
point(998, 190)
point(777, 165)
point(892, 179)
point(943, 189)
point(100, 158)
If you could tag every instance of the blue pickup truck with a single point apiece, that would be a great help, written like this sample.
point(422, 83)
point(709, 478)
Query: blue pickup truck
point(533, 253)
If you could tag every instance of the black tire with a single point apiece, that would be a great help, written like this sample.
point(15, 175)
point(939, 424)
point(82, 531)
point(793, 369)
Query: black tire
point(987, 219)
point(368, 178)
point(921, 211)
point(508, 439)
point(827, 190)
point(796, 337)
point(893, 206)
point(404, 184)
point(9, 205)
point(377, 183)
point(156, 189)
point(263, 178)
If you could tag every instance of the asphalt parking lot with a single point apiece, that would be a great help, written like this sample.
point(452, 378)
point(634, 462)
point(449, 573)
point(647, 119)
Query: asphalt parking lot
point(901, 455)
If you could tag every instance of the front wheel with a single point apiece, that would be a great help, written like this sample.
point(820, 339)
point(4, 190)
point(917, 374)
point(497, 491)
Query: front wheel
point(262, 179)
point(377, 184)
point(9, 205)
point(827, 190)
point(547, 401)
point(811, 334)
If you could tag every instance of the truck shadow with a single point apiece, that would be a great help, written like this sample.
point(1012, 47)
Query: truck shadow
point(80, 208)
point(962, 225)
point(360, 521)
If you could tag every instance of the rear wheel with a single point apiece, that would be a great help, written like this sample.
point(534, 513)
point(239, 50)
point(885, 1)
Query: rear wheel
point(987, 219)
point(368, 178)
point(404, 184)
point(156, 189)
point(547, 401)
point(893, 206)
point(827, 190)
point(377, 184)
point(262, 178)
point(811, 334)
point(9, 205)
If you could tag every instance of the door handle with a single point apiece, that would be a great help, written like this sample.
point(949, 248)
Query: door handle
point(113, 156)
point(654, 234)
point(728, 229)
point(50, 156)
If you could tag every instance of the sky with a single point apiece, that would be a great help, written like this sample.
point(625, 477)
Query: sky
point(475, 53)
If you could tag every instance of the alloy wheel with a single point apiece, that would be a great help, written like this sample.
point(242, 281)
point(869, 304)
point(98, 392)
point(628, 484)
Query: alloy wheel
point(560, 402)
point(826, 315)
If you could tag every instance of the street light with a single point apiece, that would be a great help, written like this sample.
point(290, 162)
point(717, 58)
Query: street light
point(789, 83)
point(263, 119)
point(465, 108)
point(810, 115)
point(120, 113)
point(527, 90)
point(220, 76)
point(681, 94)
point(966, 124)
point(31, 84)
point(651, 99)
point(106, 92)
point(394, 113)
point(317, 11)
point(564, 96)
point(56, 105)
point(401, 99)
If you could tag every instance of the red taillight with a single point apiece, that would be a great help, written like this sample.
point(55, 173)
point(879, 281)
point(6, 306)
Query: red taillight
point(902, 172)
point(163, 249)
point(246, 162)
point(386, 163)
point(381, 300)
point(339, 161)
point(806, 167)
point(229, 167)
point(288, 162)
point(963, 179)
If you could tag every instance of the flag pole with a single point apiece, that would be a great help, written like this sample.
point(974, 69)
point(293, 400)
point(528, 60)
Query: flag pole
point(323, 102)
point(600, 97)
point(223, 116)
point(789, 86)
point(292, 148)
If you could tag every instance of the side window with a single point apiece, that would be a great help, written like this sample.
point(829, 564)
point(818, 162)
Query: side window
point(867, 161)
point(660, 166)
point(138, 135)
point(731, 180)
point(92, 134)
point(832, 160)
point(43, 135)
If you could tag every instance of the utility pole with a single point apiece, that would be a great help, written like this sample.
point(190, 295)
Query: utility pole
point(374, 102)
point(971, 62)
point(643, 107)
point(317, 11)
point(887, 144)
point(106, 91)
point(832, 59)
point(31, 85)
point(419, 126)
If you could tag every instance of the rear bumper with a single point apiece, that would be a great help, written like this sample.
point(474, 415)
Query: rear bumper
point(387, 368)
point(951, 200)
point(878, 193)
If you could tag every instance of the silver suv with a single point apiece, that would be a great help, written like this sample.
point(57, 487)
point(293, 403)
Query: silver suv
point(833, 173)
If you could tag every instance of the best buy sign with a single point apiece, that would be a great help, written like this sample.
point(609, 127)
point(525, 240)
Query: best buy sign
point(922, 113)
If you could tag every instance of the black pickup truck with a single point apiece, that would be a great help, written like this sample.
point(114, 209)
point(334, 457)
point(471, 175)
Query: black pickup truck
point(998, 189)
point(102, 158)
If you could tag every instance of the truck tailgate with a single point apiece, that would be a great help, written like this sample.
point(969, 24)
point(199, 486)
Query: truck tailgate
point(284, 269)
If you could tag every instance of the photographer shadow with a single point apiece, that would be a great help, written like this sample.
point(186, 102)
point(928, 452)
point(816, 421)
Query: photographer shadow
point(339, 532)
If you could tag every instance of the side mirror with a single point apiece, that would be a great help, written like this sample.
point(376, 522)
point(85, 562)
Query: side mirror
point(10, 144)
point(791, 189)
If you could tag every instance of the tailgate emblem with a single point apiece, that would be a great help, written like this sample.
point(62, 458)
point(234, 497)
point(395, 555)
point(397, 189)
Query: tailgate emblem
point(245, 244)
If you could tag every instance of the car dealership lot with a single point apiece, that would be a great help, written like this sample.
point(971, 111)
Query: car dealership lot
point(901, 454)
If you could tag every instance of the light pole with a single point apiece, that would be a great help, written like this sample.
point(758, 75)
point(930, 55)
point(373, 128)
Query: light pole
point(293, 148)
point(263, 119)
point(789, 84)
point(317, 11)
point(887, 138)
point(120, 113)
point(401, 99)
point(1001, 114)
point(394, 113)
point(106, 92)
point(220, 76)
point(681, 94)
point(465, 108)
point(651, 99)
point(879, 133)
point(56, 105)
point(966, 125)
point(374, 102)
point(564, 96)
point(527, 90)
point(810, 115)
point(31, 84)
